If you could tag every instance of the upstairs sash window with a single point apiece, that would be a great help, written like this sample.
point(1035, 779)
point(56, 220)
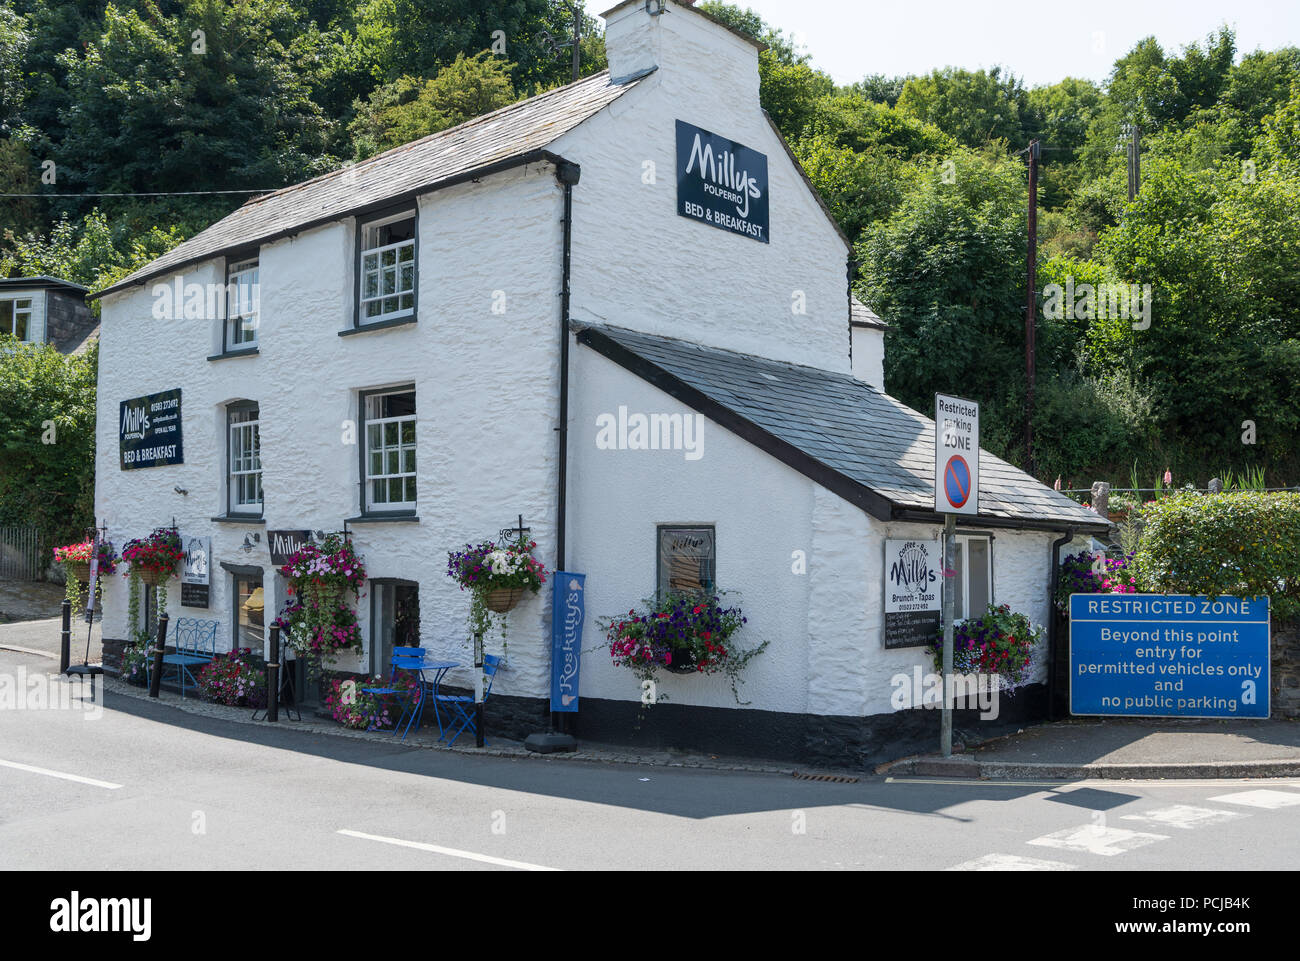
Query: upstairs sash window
point(387, 269)
point(243, 300)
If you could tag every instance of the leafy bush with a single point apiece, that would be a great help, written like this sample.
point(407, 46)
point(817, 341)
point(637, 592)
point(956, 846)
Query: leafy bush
point(1244, 544)
point(135, 658)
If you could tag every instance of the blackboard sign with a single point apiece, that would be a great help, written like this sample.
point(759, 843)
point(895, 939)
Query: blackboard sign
point(912, 598)
point(721, 182)
point(150, 431)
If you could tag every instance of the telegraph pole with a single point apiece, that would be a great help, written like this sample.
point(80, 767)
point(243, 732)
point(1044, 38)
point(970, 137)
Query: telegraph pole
point(1134, 160)
point(1031, 300)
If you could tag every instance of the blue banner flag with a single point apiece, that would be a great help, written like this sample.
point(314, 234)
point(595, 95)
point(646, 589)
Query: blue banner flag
point(568, 610)
point(1169, 655)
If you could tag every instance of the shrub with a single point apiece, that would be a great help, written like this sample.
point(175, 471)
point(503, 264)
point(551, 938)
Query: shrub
point(1082, 574)
point(1245, 544)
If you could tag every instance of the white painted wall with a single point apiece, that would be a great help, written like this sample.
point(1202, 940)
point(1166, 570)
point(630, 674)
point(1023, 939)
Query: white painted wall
point(869, 356)
point(638, 264)
point(825, 654)
point(486, 388)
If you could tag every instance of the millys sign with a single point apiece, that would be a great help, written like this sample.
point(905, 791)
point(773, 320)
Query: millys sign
point(721, 183)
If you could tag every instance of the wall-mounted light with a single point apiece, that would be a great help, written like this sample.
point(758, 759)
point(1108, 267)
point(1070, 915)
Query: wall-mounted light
point(249, 541)
point(655, 8)
point(180, 490)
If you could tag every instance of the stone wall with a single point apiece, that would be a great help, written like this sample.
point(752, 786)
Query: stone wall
point(1285, 671)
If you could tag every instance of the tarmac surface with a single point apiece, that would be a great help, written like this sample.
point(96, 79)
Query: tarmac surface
point(1105, 748)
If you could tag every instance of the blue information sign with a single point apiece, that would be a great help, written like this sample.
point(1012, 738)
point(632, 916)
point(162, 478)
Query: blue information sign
point(1169, 655)
point(568, 610)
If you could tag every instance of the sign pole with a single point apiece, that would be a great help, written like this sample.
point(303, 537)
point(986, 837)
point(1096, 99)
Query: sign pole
point(949, 606)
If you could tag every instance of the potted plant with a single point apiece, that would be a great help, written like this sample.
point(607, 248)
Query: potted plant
point(154, 558)
point(234, 678)
point(1085, 573)
point(998, 642)
point(681, 633)
point(75, 559)
point(318, 620)
point(496, 577)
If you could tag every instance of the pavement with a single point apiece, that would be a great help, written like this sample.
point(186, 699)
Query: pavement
point(1124, 748)
point(1074, 749)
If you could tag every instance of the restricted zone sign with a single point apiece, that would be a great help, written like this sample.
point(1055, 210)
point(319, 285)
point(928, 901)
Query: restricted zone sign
point(956, 455)
point(1169, 655)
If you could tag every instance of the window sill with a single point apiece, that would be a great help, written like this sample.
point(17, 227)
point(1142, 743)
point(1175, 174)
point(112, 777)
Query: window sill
point(236, 352)
point(240, 519)
point(382, 519)
point(379, 325)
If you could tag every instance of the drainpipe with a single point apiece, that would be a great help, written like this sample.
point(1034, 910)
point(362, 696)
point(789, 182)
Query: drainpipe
point(1053, 640)
point(567, 173)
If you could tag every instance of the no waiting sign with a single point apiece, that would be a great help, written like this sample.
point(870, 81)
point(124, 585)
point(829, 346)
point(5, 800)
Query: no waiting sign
point(956, 455)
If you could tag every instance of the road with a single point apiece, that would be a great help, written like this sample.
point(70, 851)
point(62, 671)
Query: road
point(145, 786)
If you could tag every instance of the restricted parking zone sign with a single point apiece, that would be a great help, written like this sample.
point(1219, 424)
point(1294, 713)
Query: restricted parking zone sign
point(956, 455)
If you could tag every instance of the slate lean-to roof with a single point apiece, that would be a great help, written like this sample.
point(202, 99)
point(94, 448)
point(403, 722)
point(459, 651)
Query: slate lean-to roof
point(517, 131)
point(849, 437)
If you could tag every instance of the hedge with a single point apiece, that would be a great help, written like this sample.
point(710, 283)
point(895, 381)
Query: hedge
point(1245, 544)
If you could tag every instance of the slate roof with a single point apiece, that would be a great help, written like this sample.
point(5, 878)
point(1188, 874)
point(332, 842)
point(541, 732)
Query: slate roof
point(864, 316)
point(509, 133)
point(853, 439)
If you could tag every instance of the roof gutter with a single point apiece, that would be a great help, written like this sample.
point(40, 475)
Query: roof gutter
point(1047, 524)
point(486, 170)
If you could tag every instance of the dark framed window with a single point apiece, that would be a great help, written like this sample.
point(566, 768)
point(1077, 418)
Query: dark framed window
point(16, 317)
point(386, 267)
point(388, 462)
point(974, 578)
point(243, 303)
point(394, 620)
point(687, 559)
point(249, 615)
point(243, 458)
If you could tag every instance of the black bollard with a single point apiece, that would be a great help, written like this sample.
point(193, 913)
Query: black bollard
point(273, 677)
point(159, 650)
point(478, 688)
point(65, 642)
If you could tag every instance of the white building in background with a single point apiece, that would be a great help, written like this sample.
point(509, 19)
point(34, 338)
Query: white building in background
point(399, 374)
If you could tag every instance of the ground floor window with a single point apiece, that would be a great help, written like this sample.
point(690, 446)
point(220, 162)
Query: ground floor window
point(394, 621)
point(974, 579)
point(687, 559)
point(250, 612)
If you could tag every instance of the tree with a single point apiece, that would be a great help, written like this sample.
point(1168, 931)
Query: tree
point(410, 108)
point(946, 270)
point(973, 107)
point(47, 439)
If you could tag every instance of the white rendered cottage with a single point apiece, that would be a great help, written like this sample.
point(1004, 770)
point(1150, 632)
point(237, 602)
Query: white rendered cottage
point(442, 287)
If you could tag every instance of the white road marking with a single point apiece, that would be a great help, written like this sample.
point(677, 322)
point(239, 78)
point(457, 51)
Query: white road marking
point(450, 852)
point(60, 774)
point(1012, 862)
point(1095, 839)
point(1271, 800)
point(1185, 816)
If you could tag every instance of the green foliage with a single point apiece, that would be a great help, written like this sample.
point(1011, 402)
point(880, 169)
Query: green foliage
point(1240, 544)
point(47, 439)
point(972, 106)
point(408, 108)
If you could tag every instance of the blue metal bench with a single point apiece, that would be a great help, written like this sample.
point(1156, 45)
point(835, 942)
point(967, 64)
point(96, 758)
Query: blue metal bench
point(195, 643)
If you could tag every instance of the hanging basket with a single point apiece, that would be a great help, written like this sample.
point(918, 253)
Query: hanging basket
point(77, 571)
point(153, 576)
point(503, 599)
point(683, 663)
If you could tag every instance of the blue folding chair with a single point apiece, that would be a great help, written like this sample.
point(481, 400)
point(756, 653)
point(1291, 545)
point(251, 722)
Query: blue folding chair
point(462, 705)
point(412, 699)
